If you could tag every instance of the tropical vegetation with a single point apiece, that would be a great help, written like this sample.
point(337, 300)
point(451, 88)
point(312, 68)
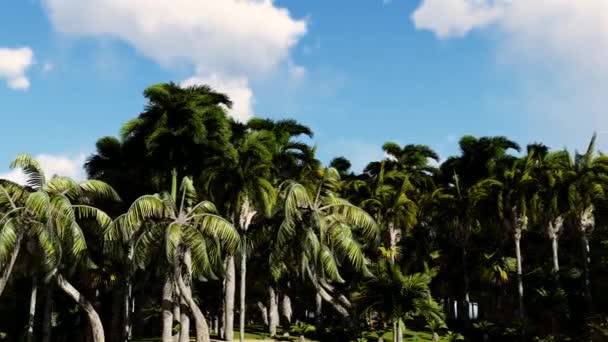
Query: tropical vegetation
point(497, 243)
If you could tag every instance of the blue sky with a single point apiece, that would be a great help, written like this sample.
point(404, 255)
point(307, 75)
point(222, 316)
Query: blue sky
point(359, 73)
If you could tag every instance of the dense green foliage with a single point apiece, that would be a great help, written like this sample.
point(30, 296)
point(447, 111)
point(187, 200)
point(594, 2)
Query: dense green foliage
point(493, 244)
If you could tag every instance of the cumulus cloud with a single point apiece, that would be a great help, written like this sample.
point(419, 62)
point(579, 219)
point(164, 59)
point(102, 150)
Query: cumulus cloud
point(53, 165)
point(14, 62)
point(236, 88)
point(558, 49)
point(228, 36)
point(226, 42)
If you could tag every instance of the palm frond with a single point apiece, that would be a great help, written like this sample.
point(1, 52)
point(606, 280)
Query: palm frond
point(31, 168)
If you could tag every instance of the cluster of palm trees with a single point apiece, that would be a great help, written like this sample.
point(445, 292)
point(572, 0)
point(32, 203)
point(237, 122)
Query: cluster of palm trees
point(186, 197)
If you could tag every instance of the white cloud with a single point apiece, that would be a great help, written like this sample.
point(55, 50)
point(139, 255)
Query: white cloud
point(13, 65)
point(557, 49)
point(455, 18)
point(228, 36)
point(236, 88)
point(226, 42)
point(53, 165)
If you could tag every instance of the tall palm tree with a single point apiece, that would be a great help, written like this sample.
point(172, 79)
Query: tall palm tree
point(192, 235)
point(514, 191)
point(319, 232)
point(247, 189)
point(44, 213)
point(176, 124)
point(556, 176)
point(586, 191)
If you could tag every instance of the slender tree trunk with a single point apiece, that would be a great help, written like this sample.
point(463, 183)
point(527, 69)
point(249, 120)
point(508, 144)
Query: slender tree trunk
point(400, 331)
point(31, 319)
point(202, 329)
point(395, 331)
point(47, 317)
point(230, 284)
point(177, 312)
point(318, 308)
point(273, 311)
point(184, 333)
point(520, 280)
point(6, 273)
point(94, 320)
point(555, 227)
point(554, 248)
point(465, 274)
point(587, 275)
point(128, 308)
point(243, 289)
point(167, 309)
point(222, 318)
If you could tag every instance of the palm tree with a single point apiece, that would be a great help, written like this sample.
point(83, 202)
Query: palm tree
point(319, 232)
point(398, 296)
point(585, 192)
point(389, 200)
point(43, 212)
point(248, 193)
point(515, 191)
point(193, 234)
point(177, 124)
point(556, 176)
point(468, 180)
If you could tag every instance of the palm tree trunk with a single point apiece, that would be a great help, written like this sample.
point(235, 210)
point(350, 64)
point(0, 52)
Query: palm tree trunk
point(400, 331)
point(243, 289)
point(31, 319)
point(286, 308)
point(202, 329)
point(318, 308)
point(263, 313)
point(184, 333)
point(177, 312)
point(520, 281)
point(94, 320)
point(328, 297)
point(129, 302)
point(184, 323)
point(554, 248)
point(465, 274)
point(273, 311)
point(167, 309)
point(47, 317)
point(6, 273)
point(230, 285)
point(587, 275)
point(395, 331)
